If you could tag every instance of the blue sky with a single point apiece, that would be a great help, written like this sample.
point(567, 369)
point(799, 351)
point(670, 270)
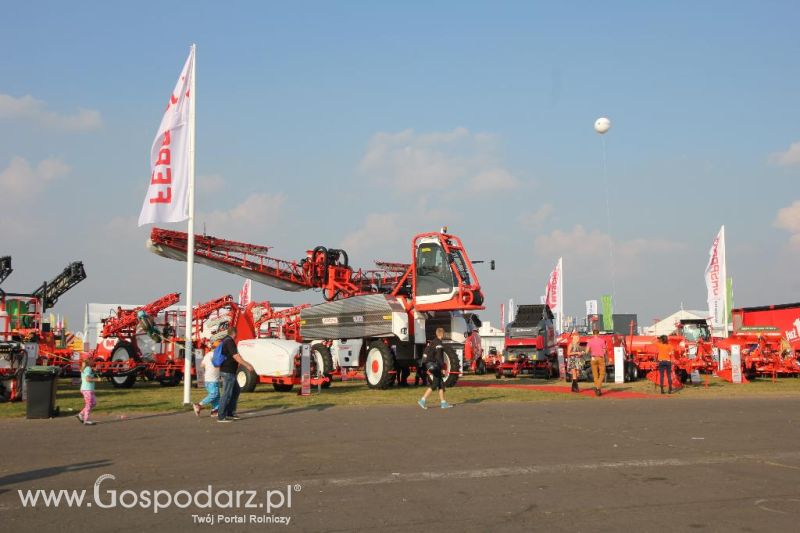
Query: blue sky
point(358, 124)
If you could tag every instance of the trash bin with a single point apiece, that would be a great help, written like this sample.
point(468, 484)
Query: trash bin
point(41, 382)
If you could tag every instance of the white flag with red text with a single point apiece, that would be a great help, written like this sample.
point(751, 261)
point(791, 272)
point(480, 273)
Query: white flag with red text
point(246, 294)
point(167, 197)
point(554, 293)
point(716, 274)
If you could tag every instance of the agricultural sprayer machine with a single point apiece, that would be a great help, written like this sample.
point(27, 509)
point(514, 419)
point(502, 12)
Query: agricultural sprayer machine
point(371, 321)
point(25, 338)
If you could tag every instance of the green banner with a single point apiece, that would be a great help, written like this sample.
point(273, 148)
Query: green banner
point(608, 312)
point(729, 299)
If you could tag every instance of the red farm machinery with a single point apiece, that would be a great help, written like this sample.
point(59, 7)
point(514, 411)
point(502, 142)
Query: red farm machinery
point(26, 338)
point(530, 344)
point(376, 321)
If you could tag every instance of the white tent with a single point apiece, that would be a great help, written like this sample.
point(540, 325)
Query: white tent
point(667, 325)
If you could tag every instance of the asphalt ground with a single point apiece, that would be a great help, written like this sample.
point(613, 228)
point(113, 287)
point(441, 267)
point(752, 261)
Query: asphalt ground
point(660, 464)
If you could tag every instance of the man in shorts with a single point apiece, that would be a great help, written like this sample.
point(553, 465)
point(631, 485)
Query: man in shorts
point(433, 363)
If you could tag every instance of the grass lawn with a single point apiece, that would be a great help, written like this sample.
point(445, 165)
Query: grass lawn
point(152, 397)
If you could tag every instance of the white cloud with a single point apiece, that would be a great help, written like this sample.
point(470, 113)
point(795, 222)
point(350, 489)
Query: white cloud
point(411, 162)
point(592, 249)
point(29, 108)
point(21, 181)
point(210, 184)
point(535, 220)
point(249, 219)
point(789, 157)
point(387, 235)
point(788, 218)
point(493, 179)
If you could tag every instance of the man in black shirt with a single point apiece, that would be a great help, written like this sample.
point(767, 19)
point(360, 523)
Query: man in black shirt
point(227, 371)
point(434, 365)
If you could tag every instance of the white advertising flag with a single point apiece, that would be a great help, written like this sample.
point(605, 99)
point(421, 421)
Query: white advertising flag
point(167, 197)
point(554, 293)
point(715, 283)
point(246, 294)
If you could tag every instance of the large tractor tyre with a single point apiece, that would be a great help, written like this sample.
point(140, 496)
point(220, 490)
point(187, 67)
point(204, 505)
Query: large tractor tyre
point(5, 390)
point(282, 387)
point(450, 364)
point(171, 381)
point(324, 362)
point(631, 372)
point(123, 351)
point(247, 379)
point(379, 366)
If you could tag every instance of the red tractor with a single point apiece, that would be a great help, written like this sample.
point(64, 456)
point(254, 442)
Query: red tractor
point(376, 320)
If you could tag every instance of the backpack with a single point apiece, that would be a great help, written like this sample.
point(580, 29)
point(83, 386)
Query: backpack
point(217, 358)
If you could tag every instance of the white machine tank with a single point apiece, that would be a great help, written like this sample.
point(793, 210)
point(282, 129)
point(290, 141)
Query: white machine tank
point(270, 357)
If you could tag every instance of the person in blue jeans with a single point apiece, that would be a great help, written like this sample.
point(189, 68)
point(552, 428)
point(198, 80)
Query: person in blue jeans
point(227, 371)
point(211, 374)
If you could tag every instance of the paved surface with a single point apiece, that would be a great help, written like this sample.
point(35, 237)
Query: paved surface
point(608, 465)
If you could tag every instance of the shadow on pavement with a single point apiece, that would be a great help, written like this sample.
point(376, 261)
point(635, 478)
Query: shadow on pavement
point(50, 471)
point(282, 410)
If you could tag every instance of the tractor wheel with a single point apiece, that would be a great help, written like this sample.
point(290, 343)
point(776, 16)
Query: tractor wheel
point(683, 375)
point(634, 372)
point(123, 351)
point(171, 381)
point(5, 390)
point(450, 363)
point(498, 374)
point(379, 364)
point(324, 361)
point(282, 387)
point(481, 367)
point(247, 379)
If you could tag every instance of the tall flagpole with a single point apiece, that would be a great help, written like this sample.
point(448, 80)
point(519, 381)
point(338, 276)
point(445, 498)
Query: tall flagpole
point(189, 353)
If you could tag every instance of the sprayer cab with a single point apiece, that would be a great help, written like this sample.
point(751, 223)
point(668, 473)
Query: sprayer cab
point(442, 275)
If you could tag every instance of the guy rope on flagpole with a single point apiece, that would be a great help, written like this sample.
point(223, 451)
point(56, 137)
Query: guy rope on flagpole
point(189, 353)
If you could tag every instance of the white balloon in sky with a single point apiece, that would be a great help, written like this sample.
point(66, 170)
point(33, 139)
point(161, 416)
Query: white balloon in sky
point(602, 125)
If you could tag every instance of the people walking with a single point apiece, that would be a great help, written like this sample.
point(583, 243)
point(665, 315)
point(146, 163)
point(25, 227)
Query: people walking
point(434, 367)
point(597, 351)
point(230, 387)
point(574, 359)
point(88, 379)
point(211, 377)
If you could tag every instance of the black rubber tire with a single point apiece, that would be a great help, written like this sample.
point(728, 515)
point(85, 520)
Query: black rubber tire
point(173, 381)
point(282, 387)
point(247, 379)
point(320, 352)
point(125, 382)
point(451, 361)
point(5, 390)
point(481, 367)
point(498, 375)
